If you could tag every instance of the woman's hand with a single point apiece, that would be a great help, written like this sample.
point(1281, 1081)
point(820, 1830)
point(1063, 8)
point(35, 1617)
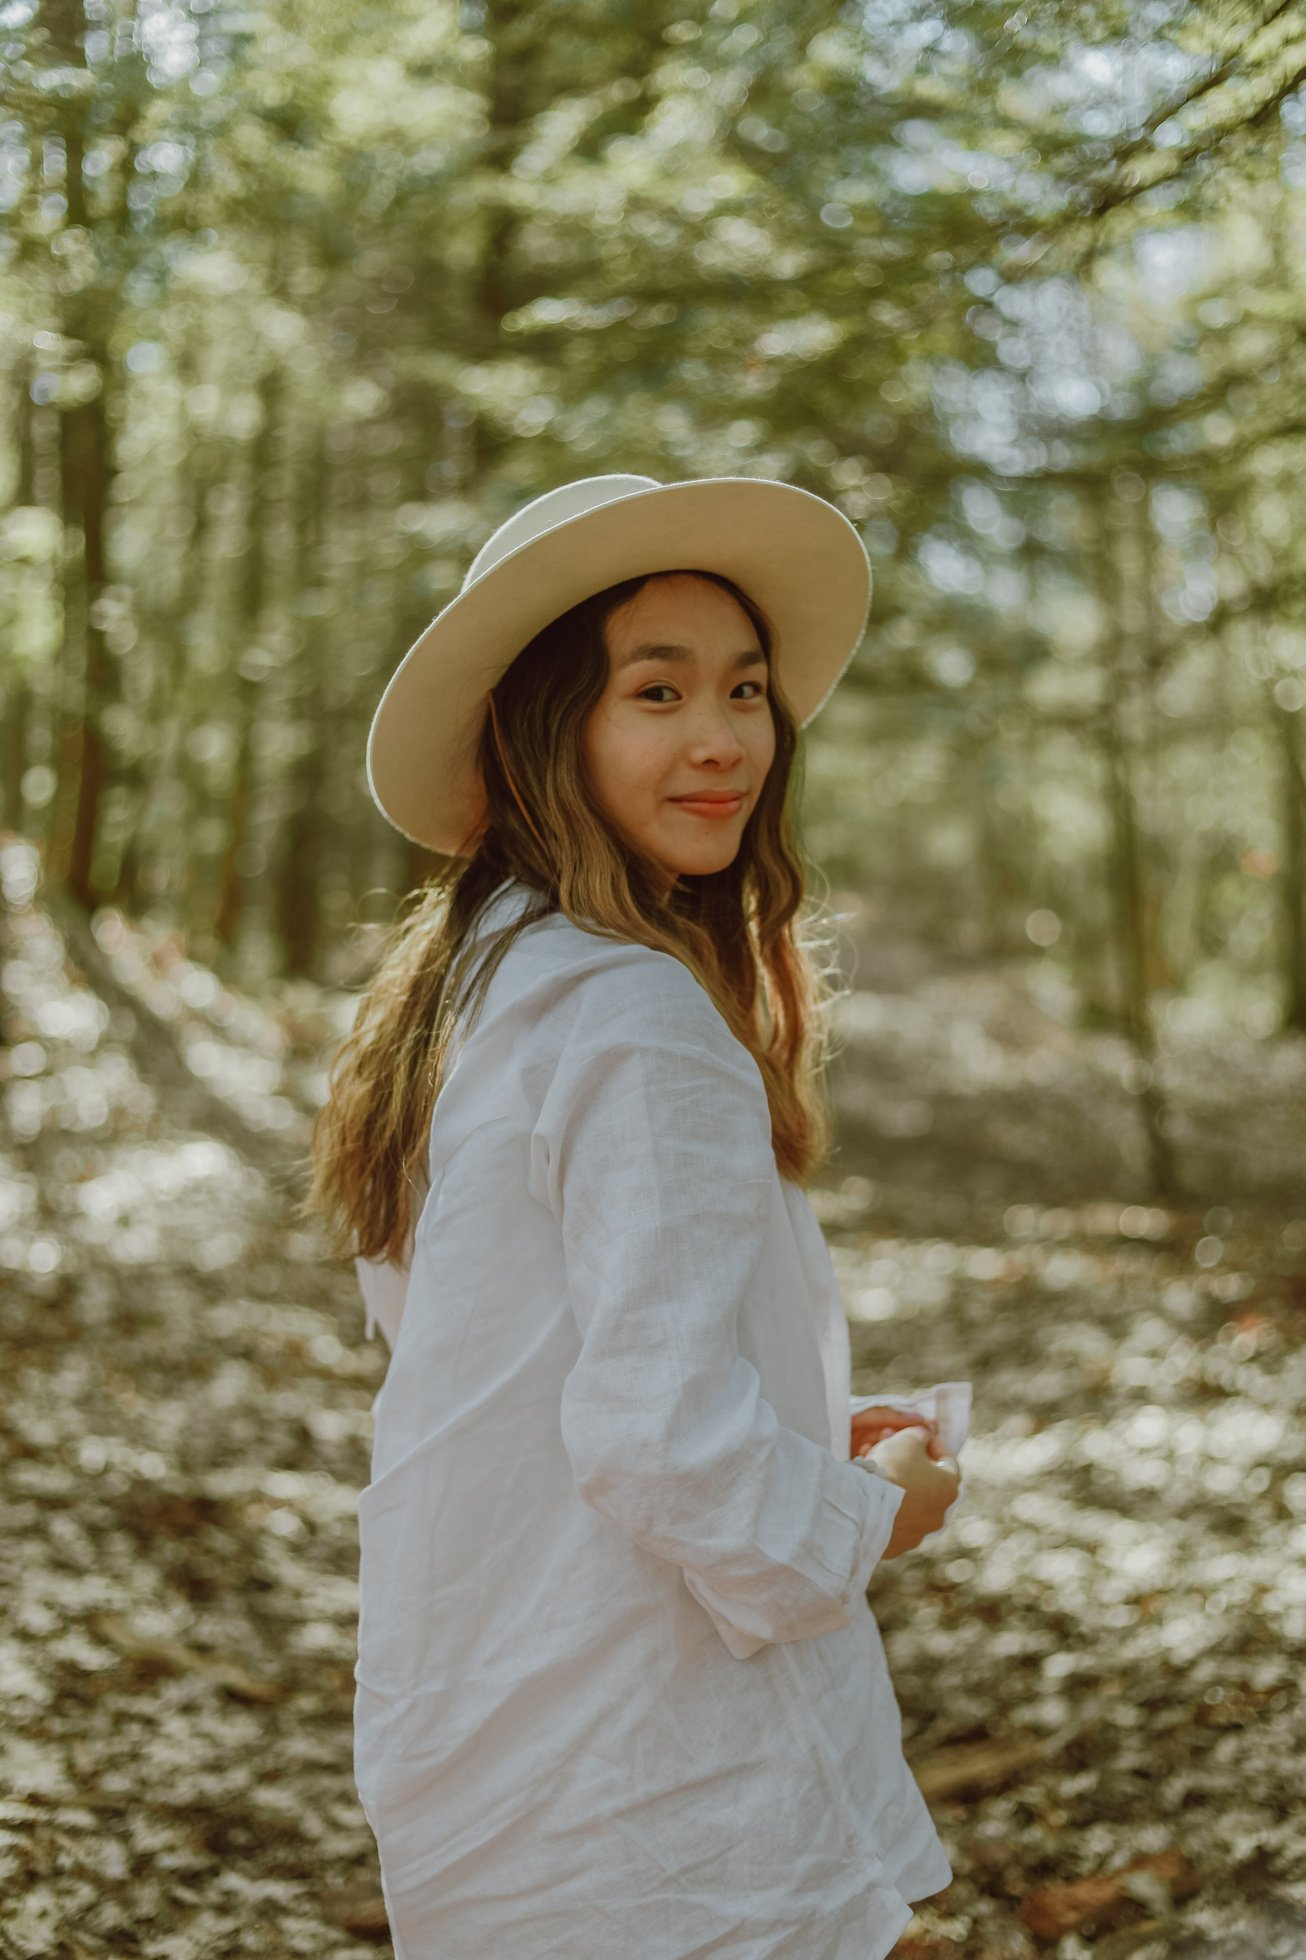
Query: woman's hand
point(930, 1483)
point(871, 1426)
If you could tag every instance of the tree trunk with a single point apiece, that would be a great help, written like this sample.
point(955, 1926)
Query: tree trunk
point(13, 767)
point(195, 895)
point(85, 481)
point(299, 870)
point(1292, 869)
point(1134, 911)
point(248, 677)
point(25, 432)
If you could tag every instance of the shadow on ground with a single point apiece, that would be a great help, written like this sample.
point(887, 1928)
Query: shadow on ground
point(1097, 1662)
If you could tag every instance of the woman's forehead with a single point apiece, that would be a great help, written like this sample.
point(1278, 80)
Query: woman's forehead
point(685, 598)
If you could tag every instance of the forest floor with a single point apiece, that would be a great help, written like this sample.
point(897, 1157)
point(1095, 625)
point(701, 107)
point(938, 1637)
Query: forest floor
point(1098, 1662)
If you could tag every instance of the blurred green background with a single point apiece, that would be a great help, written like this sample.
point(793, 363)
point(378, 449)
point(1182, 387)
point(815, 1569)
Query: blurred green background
point(299, 303)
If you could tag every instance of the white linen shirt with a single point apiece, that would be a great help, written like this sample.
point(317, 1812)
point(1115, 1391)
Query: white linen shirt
point(620, 1694)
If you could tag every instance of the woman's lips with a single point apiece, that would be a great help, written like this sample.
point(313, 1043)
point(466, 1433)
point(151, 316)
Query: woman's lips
point(709, 806)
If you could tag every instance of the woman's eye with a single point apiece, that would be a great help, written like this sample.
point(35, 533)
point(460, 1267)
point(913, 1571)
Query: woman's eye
point(665, 687)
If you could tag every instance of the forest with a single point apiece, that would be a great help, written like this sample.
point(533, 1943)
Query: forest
point(298, 304)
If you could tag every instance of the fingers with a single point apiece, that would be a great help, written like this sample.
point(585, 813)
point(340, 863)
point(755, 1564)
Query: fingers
point(864, 1443)
point(871, 1426)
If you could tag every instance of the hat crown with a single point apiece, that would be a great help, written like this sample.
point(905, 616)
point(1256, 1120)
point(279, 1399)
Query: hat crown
point(554, 507)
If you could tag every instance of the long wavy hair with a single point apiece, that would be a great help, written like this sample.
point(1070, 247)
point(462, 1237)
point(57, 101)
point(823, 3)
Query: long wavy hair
point(746, 933)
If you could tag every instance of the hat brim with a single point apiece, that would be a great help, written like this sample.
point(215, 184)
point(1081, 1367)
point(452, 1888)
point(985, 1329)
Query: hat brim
point(794, 554)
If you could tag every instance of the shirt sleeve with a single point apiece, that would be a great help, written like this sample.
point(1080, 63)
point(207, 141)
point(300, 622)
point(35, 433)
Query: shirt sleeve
point(384, 1287)
point(657, 1134)
point(383, 1283)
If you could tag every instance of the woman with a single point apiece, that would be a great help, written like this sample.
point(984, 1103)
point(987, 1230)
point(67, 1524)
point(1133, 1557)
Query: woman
point(619, 1690)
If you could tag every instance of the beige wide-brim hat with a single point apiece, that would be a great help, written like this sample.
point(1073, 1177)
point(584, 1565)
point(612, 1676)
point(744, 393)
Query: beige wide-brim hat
point(795, 555)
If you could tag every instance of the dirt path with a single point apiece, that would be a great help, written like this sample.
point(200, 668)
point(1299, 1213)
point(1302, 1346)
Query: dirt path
point(1098, 1663)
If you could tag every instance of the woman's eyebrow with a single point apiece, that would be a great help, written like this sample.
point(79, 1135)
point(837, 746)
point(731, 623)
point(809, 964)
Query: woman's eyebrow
point(753, 658)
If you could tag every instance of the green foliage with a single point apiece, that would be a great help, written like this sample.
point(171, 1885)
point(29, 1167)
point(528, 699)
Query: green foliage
point(1016, 293)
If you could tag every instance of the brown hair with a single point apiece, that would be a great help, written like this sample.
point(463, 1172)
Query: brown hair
point(735, 930)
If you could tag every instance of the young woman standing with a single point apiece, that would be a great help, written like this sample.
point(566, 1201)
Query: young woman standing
point(620, 1694)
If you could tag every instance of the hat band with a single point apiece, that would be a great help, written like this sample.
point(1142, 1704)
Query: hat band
point(507, 772)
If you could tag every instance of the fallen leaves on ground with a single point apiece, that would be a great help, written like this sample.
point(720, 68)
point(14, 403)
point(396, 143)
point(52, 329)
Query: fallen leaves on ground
point(1098, 1662)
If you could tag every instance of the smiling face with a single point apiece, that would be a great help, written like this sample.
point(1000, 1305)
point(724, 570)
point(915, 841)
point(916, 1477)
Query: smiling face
point(684, 713)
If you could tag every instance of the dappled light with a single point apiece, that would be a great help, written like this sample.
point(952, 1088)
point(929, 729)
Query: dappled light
point(299, 306)
point(1120, 1641)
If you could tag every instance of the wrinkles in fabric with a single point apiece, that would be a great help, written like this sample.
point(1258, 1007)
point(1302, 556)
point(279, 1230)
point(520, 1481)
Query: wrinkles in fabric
point(616, 1662)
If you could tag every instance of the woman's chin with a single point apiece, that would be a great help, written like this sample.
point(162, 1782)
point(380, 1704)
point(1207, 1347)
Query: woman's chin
point(701, 864)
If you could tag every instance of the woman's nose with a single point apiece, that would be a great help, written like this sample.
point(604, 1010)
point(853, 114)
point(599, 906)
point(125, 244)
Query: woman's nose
point(714, 734)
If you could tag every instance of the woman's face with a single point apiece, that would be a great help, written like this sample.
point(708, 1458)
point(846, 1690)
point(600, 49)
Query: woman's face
point(684, 714)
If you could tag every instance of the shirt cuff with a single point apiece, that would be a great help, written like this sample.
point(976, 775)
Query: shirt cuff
point(879, 1525)
point(865, 1522)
